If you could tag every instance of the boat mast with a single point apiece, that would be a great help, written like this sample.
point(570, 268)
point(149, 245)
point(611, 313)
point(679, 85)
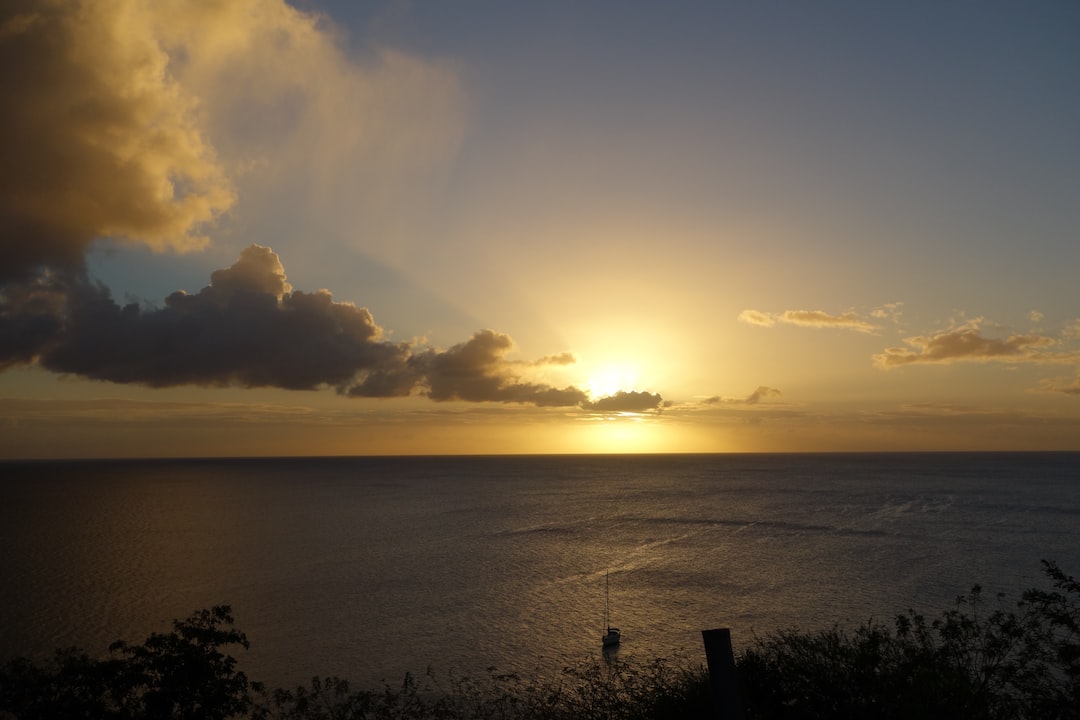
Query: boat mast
point(607, 602)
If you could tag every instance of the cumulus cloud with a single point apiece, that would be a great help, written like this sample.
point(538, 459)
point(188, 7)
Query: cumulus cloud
point(626, 401)
point(97, 136)
point(30, 314)
point(247, 328)
point(477, 371)
point(808, 318)
point(250, 328)
point(146, 120)
point(968, 344)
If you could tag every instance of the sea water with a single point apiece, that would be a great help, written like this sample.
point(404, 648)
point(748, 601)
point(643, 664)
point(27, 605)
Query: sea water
point(369, 568)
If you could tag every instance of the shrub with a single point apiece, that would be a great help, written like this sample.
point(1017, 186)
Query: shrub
point(182, 675)
point(1004, 664)
point(1008, 663)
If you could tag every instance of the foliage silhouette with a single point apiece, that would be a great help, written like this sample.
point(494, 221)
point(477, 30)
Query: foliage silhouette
point(1006, 663)
point(968, 663)
point(183, 675)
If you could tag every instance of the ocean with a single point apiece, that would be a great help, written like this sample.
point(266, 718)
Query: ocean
point(369, 568)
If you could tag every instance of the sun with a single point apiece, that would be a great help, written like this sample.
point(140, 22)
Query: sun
point(610, 379)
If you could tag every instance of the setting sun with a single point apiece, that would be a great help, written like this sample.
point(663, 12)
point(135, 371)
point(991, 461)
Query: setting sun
point(612, 379)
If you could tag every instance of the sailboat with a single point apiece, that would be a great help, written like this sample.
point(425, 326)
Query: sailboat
point(611, 637)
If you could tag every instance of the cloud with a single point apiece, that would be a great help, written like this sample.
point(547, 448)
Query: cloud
point(967, 344)
point(247, 328)
point(125, 412)
point(30, 314)
point(250, 328)
point(1065, 386)
point(761, 393)
point(477, 371)
point(888, 311)
point(97, 136)
point(350, 141)
point(755, 317)
point(809, 318)
point(146, 121)
point(627, 401)
point(564, 358)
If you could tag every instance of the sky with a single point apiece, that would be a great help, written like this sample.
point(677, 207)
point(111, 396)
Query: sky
point(252, 227)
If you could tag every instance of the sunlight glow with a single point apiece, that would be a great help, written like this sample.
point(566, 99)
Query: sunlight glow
point(610, 379)
point(625, 433)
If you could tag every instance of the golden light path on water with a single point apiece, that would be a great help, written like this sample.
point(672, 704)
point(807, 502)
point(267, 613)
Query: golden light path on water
point(368, 568)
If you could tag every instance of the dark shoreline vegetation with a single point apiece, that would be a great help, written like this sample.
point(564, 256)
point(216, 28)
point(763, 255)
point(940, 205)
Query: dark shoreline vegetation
point(1014, 660)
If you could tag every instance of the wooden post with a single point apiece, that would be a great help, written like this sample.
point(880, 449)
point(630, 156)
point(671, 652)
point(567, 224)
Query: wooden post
point(727, 700)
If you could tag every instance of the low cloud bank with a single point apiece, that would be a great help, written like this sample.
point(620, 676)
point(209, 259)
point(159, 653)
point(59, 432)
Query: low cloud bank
point(250, 328)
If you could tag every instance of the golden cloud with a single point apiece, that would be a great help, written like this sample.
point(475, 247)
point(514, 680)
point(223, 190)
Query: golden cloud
point(138, 120)
point(967, 344)
point(98, 137)
point(809, 318)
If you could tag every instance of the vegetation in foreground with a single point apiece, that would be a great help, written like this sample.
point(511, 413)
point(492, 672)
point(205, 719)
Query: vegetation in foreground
point(971, 662)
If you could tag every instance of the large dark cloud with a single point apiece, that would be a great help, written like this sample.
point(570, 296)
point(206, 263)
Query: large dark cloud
point(250, 328)
point(30, 315)
point(247, 328)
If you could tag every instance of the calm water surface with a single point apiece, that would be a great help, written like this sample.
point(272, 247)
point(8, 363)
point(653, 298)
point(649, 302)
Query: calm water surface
point(371, 567)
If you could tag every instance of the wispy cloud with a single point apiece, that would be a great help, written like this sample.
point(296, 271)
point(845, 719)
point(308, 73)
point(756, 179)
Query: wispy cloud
point(763, 392)
point(1065, 386)
point(118, 411)
point(756, 317)
point(888, 311)
point(809, 318)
